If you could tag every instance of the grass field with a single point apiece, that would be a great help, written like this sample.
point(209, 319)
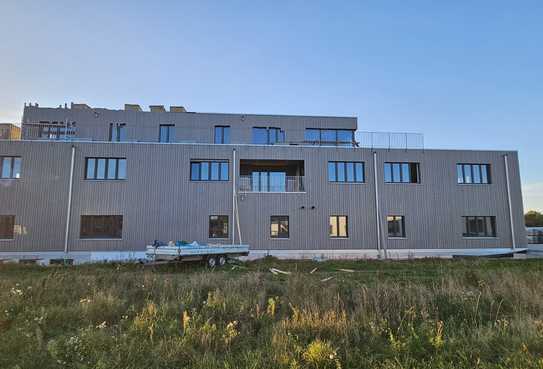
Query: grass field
point(402, 314)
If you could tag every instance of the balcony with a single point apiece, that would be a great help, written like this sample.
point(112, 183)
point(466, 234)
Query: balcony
point(271, 182)
point(271, 176)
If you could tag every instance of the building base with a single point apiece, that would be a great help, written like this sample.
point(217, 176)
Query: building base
point(81, 257)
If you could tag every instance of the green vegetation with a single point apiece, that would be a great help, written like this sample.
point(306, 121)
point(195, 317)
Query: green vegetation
point(401, 314)
point(533, 219)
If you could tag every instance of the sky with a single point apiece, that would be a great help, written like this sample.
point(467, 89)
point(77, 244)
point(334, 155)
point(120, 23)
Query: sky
point(466, 74)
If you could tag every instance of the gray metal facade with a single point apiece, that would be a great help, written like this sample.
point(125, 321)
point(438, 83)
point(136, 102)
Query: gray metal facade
point(159, 201)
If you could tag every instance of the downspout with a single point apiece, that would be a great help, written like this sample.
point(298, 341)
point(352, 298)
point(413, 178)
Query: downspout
point(513, 238)
point(233, 196)
point(69, 209)
point(377, 213)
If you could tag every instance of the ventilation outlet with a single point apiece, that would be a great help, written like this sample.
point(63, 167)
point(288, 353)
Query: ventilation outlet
point(157, 108)
point(133, 107)
point(79, 106)
point(178, 109)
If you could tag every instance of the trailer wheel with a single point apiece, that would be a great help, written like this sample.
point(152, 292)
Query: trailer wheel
point(211, 262)
point(222, 260)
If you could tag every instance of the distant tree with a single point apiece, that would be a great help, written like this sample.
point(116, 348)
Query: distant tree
point(533, 219)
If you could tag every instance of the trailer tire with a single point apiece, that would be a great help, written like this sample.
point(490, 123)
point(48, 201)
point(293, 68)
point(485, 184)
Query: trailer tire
point(221, 260)
point(211, 262)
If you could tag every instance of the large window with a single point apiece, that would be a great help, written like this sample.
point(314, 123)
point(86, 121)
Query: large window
point(166, 133)
point(335, 137)
point(7, 227)
point(473, 173)
point(218, 226)
point(479, 226)
point(117, 132)
point(396, 226)
point(101, 226)
point(201, 170)
point(222, 135)
point(345, 171)
point(402, 173)
point(279, 226)
point(268, 181)
point(268, 135)
point(10, 167)
point(338, 226)
point(105, 168)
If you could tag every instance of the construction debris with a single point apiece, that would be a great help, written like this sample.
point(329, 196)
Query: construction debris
point(278, 271)
point(346, 270)
point(313, 271)
point(326, 279)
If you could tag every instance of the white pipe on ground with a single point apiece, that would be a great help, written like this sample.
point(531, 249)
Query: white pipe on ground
point(69, 209)
point(513, 238)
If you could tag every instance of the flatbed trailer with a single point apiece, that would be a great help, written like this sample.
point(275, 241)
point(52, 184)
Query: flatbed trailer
point(213, 254)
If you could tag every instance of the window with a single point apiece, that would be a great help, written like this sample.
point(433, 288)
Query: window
point(105, 168)
point(477, 226)
point(56, 130)
point(222, 135)
point(268, 136)
point(10, 167)
point(402, 173)
point(101, 226)
point(335, 137)
point(166, 133)
point(396, 226)
point(7, 227)
point(473, 173)
point(117, 132)
point(345, 171)
point(266, 181)
point(208, 170)
point(279, 226)
point(218, 226)
point(338, 226)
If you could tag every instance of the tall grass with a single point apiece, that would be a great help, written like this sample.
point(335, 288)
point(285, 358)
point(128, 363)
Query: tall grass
point(423, 314)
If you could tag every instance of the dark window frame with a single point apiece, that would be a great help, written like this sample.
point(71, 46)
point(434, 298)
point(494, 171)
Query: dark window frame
point(280, 220)
point(280, 136)
point(336, 142)
point(8, 227)
point(395, 218)
point(115, 130)
point(11, 174)
point(484, 232)
point(106, 169)
point(413, 171)
point(336, 164)
point(464, 166)
point(170, 130)
point(85, 229)
point(223, 236)
point(220, 139)
point(209, 163)
point(336, 219)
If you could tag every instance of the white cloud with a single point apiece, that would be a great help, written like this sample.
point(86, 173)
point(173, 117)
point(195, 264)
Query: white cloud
point(533, 196)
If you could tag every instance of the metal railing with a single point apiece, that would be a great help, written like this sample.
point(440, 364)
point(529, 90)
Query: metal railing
point(390, 140)
point(271, 183)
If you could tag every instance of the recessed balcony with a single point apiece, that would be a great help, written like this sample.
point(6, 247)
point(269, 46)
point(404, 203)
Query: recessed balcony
point(271, 176)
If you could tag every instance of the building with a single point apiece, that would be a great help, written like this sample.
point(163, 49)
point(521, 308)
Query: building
point(9, 131)
point(535, 235)
point(92, 184)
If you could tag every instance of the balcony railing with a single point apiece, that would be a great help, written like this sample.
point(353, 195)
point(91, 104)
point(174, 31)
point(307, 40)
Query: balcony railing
point(271, 183)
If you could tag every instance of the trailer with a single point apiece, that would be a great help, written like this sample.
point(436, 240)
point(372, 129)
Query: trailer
point(213, 254)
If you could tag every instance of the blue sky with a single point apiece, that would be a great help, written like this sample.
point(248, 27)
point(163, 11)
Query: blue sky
point(467, 74)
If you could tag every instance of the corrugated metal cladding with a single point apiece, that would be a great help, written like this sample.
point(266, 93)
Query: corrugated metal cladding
point(158, 201)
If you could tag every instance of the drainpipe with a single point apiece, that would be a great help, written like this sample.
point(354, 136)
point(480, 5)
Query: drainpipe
point(377, 213)
point(69, 209)
point(233, 196)
point(513, 238)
